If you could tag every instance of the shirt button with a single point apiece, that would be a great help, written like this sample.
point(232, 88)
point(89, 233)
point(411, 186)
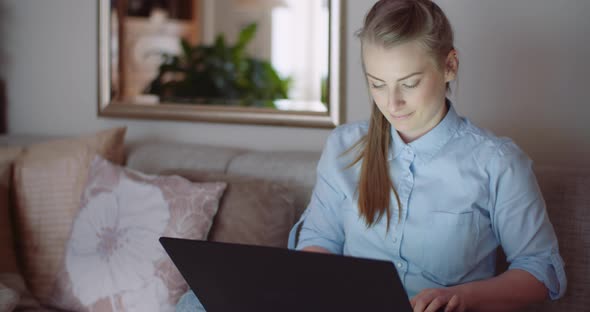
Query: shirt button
point(395, 239)
point(399, 265)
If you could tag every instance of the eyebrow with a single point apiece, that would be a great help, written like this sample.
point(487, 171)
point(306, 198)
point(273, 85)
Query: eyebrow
point(403, 78)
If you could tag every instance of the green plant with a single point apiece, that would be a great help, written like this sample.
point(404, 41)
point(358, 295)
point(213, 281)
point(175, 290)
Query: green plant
point(219, 74)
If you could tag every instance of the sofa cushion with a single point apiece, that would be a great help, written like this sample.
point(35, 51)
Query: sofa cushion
point(294, 169)
point(49, 179)
point(156, 157)
point(253, 211)
point(114, 261)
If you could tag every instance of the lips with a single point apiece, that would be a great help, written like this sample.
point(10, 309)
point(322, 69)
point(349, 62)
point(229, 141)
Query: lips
point(402, 117)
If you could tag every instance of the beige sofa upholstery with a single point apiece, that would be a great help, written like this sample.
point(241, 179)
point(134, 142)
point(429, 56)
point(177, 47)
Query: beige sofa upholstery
point(568, 204)
point(565, 191)
point(294, 169)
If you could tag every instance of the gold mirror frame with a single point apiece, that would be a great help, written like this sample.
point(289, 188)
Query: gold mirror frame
point(223, 114)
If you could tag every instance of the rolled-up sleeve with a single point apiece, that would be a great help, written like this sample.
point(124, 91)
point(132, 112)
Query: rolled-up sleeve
point(520, 221)
point(321, 223)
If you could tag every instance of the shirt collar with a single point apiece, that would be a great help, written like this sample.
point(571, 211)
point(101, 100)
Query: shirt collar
point(429, 144)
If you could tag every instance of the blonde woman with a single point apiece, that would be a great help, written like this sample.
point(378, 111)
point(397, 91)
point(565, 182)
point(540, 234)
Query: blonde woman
point(422, 187)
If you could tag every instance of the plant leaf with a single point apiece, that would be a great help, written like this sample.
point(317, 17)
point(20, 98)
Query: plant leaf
point(246, 36)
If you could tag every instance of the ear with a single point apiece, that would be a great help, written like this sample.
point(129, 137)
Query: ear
point(451, 66)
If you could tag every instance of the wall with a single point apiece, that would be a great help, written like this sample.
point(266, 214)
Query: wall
point(524, 74)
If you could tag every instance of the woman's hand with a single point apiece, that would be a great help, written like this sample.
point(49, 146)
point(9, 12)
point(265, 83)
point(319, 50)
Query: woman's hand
point(316, 249)
point(438, 299)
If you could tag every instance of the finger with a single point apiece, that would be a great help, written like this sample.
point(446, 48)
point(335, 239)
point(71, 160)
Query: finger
point(420, 303)
point(413, 301)
point(421, 300)
point(436, 304)
point(453, 304)
point(417, 298)
point(420, 306)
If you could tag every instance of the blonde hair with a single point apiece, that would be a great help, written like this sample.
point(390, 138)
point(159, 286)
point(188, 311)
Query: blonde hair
point(393, 22)
point(387, 24)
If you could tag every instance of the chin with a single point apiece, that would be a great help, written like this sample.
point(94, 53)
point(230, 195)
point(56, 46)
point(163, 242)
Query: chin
point(402, 128)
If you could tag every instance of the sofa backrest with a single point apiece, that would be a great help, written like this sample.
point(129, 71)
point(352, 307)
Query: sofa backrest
point(294, 169)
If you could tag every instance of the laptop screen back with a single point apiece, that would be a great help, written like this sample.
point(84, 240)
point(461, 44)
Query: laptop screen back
point(232, 277)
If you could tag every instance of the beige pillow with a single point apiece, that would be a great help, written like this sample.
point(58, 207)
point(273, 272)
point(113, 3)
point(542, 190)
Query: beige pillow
point(114, 261)
point(49, 179)
point(253, 211)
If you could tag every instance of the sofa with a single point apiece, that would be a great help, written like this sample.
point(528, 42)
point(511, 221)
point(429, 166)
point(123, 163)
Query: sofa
point(264, 193)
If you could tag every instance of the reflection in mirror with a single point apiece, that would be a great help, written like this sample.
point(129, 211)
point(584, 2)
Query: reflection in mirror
point(222, 58)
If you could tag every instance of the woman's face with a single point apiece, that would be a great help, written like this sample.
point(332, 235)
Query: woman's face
point(408, 86)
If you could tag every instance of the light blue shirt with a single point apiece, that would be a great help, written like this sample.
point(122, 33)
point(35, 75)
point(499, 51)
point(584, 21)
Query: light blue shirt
point(463, 192)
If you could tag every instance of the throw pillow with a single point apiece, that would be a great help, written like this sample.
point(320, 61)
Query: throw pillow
point(253, 211)
point(114, 261)
point(49, 179)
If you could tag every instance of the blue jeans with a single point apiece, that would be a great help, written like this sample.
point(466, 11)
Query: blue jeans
point(189, 303)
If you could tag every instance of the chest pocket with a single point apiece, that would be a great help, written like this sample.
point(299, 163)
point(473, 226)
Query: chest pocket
point(450, 244)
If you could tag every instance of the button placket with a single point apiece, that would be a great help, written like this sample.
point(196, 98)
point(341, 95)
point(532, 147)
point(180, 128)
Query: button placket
point(405, 189)
point(401, 266)
point(408, 184)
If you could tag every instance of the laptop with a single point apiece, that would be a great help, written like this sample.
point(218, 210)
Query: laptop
point(234, 277)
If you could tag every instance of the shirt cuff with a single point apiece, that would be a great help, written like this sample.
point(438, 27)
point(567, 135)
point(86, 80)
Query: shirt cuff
point(293, 241)
point(300, 238)
point(548, 270)
point(332, 247)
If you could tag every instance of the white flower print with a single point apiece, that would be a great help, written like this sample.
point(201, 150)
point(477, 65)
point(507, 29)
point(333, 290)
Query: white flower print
point(114, 241)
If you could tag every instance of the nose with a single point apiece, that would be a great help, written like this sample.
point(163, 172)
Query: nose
point(395, 100)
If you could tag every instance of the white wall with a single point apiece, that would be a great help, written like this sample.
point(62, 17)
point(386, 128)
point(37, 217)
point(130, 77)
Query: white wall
point(524, 74)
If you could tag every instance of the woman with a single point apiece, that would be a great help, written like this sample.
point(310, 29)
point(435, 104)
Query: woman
point(426, 189)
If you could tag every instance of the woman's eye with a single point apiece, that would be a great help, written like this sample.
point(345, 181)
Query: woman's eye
point(411, 86)
point(376, 86)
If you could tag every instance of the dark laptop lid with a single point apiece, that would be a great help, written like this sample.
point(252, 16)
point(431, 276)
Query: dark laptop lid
point(232, 277)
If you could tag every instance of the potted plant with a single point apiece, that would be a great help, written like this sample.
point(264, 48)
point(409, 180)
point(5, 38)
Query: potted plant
point(219, 74)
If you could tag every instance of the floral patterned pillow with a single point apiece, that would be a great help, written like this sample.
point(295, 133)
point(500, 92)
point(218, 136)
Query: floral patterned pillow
point(113, 260)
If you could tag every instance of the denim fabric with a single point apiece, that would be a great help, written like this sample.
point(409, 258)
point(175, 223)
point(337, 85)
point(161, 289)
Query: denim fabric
point(189, 303)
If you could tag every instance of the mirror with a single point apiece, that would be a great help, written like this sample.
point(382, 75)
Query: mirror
point(272, 62)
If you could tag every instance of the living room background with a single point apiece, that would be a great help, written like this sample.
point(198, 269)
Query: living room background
point(523, 74)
